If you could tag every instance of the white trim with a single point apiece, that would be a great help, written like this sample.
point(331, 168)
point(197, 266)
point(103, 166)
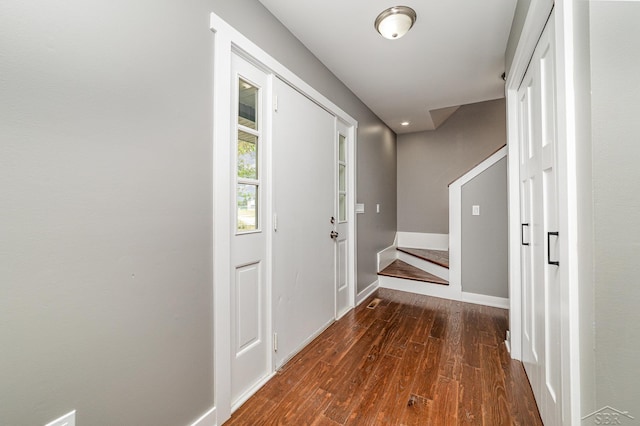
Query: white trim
point(441, 291)
point(425, 265)
point(207, 419)
point(68, 419)
point(423, 240)
point(483, 299)
point(420, 287)
point(225, 41)
point(386, 257)
point(364, 294)
point(480, 168)
point(221, 222)
point(568, 212)
point(455, 215)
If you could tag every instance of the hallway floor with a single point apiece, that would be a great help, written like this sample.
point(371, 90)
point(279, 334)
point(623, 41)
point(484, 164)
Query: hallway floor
point(411, 360)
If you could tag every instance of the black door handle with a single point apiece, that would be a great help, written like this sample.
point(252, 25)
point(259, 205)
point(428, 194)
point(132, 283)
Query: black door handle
point(522, 234)
point(549, 261)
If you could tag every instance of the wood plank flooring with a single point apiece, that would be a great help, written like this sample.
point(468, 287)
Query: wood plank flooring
point(400, 269)
point(439, 257)
point(412, 360)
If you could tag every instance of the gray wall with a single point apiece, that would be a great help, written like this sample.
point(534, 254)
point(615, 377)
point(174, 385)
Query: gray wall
point(519, 16)
point(105, 215)
point(485, 266)
point(615, 84)
point(429, 161)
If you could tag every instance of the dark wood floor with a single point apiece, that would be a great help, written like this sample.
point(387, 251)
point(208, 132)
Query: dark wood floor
point(413, 360)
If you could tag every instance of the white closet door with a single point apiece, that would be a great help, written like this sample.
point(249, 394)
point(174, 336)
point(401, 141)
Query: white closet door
point(542, 346)
point(303, 203)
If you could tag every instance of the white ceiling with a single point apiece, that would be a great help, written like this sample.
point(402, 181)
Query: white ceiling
point(454, 54)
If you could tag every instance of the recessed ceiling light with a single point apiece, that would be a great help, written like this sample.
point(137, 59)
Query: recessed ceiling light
point(405, 123)
point(395, 22)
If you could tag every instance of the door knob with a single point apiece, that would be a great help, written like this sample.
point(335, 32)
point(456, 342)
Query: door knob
point(334, 235)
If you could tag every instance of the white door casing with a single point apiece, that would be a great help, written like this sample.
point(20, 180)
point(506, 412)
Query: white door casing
point(541, 301)
point(250, 355)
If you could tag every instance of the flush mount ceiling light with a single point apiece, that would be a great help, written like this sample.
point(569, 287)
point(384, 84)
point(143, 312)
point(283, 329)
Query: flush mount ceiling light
point(395, 22)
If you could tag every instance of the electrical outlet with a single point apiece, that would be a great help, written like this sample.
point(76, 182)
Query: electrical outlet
point(68, 419)
point(475, 210)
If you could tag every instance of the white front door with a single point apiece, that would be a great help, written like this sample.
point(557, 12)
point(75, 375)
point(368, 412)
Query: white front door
point(341, 219)
point(250, 362)
point(303, 204)
point(542, 346)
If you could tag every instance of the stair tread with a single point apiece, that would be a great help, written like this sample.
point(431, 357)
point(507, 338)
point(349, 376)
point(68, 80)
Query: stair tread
point(439, 257)
point(400, 269)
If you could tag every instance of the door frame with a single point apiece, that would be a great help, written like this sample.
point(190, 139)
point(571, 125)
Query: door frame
point(535, 22)
point(226, 40)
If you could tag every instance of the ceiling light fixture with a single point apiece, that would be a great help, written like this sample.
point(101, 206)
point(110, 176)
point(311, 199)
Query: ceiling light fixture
point(405, 123)
point(395, 22)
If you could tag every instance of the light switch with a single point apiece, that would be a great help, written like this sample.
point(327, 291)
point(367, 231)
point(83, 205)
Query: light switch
point(475, 210)
point(377, 208)
point(359, 208)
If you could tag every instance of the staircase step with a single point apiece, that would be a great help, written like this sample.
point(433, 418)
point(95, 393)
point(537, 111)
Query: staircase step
point(439, 257)
point(400, 269)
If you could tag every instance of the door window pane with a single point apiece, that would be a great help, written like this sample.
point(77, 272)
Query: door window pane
point(342, 213)
point(342, 178)
point(247, 155)
point(248, 100)
point(342, 149)
point(247, 202)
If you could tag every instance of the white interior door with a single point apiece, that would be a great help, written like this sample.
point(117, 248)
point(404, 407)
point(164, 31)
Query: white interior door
point(250, 362)
point(342, 224)
point(542, 346)
point(303, 203)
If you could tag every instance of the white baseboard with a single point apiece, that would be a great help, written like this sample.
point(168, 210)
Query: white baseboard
point(386, 257)
point(420, 287)
point(423, 240)
point(364, 294)
point(207, 419)
point(445, 292)
point(482, 299)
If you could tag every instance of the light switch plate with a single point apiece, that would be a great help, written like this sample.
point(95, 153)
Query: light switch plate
point(475, 210)
point(359, 208)
point(68, 419)
point(377, 208)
